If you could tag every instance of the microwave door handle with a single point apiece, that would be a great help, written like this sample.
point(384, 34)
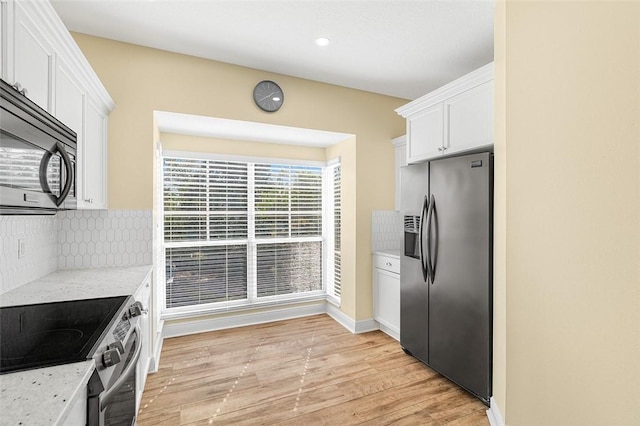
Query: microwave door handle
point(44, 164)
point(108, 395)
point(68, 184)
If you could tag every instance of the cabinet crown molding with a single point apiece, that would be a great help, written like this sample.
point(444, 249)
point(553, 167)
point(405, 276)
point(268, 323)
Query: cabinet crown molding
point(466, 82)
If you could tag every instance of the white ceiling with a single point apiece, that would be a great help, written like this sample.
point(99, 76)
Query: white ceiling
point(403, 48)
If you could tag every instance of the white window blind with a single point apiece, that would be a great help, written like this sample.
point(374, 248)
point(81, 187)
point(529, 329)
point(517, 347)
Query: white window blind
point(241, 233)
point(205, 229)
point(337, 220)
point(288, 229)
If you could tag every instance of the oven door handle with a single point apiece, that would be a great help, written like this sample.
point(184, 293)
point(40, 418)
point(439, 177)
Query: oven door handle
point(108, 394)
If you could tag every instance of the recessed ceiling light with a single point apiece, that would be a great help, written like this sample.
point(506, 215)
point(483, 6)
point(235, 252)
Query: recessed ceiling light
point(322, 41)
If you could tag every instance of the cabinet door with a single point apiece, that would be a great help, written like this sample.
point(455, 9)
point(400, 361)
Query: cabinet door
point(143, 296)
point(400, 150)
point(33, 58)
point(425, 134)
point(69, 99)
point(386, 296)
point(93, 165)
point(469, 119)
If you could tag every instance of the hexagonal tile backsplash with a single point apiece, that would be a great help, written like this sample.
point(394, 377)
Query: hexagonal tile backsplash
point(104, 238)
point(38, 233)
point(386, 230)
point(72, 239)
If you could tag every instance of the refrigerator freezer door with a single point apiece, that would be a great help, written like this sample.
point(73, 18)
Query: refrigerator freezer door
point(415, 186)
point(414, 291)
point(414, 313)
point(460, 294)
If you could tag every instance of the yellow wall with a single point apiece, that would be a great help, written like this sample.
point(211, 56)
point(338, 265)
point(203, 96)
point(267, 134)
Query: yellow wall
point(141, 80)
point(571, 204)
point(499, 212)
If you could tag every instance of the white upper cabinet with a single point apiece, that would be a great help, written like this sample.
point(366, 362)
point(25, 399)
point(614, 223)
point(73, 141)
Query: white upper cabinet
point(455, 118)
point(469, 122)
point(32, 59)
point(39, 54)
point(93, 161)
point(69, 99)
point(400, 149)
point(425, 132)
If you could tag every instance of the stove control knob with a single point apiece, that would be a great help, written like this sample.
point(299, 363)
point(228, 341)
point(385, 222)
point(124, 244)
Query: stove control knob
point(110, 357)
point(136, 310)
point(117, 345)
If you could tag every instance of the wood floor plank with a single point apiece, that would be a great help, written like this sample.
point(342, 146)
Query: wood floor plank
point(307, 371)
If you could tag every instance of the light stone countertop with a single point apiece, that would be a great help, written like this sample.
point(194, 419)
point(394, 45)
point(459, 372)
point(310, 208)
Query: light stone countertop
point(45, 396)
point(392, 253)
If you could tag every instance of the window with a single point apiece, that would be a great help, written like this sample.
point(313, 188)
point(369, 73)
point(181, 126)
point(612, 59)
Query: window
point(239, 233)
point(333, 230)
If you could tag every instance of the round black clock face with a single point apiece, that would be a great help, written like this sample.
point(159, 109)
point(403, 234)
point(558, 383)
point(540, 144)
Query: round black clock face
point(268, 96)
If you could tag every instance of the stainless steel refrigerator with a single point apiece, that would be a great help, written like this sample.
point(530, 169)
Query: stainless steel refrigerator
point(446, 268)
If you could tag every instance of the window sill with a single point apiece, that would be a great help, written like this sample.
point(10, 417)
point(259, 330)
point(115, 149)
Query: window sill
point(241, 308)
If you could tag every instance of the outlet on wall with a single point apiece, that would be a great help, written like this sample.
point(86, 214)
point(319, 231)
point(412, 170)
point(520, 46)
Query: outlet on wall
point(22, 248)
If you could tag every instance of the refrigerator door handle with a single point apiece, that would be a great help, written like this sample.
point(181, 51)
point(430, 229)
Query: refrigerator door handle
point(429, 258)
point(423, 260)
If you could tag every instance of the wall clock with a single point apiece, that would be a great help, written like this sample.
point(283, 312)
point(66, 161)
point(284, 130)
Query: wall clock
point(268, 96)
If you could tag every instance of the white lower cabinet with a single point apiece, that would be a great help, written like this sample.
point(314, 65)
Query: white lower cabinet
point(143, 296)
point(386, 294)
point(78, 413)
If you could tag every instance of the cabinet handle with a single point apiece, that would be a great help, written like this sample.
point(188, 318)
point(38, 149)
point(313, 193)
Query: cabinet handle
point(440, 149)
point(88, 200)
point(388, 263)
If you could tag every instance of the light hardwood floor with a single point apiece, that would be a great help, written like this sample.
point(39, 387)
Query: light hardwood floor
point(305, 371)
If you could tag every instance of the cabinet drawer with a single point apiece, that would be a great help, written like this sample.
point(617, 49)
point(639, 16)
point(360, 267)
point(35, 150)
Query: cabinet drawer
point(387, 263)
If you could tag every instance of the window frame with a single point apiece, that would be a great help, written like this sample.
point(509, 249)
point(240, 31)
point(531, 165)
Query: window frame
point(253, 301)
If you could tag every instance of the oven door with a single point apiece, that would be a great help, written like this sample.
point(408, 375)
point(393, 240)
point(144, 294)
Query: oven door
point(115, 404)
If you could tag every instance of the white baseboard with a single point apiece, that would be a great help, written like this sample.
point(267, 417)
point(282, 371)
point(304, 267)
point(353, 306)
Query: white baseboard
point(349, 323)
point(240, 320)
point(493, 413)
point(341, 318)
point(364, 326)
point(391, 331)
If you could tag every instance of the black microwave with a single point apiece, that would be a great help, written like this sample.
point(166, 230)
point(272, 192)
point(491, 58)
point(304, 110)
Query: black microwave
point(38, 157)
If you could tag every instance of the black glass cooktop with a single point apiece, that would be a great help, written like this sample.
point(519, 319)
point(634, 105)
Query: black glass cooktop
point(42, 335)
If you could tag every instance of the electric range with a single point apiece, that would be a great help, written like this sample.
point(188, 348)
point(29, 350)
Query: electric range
point(48, 334)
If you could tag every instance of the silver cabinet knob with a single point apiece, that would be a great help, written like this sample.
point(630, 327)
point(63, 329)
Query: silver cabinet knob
point(110, 357)
point(20, 89)
point(88, 200)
